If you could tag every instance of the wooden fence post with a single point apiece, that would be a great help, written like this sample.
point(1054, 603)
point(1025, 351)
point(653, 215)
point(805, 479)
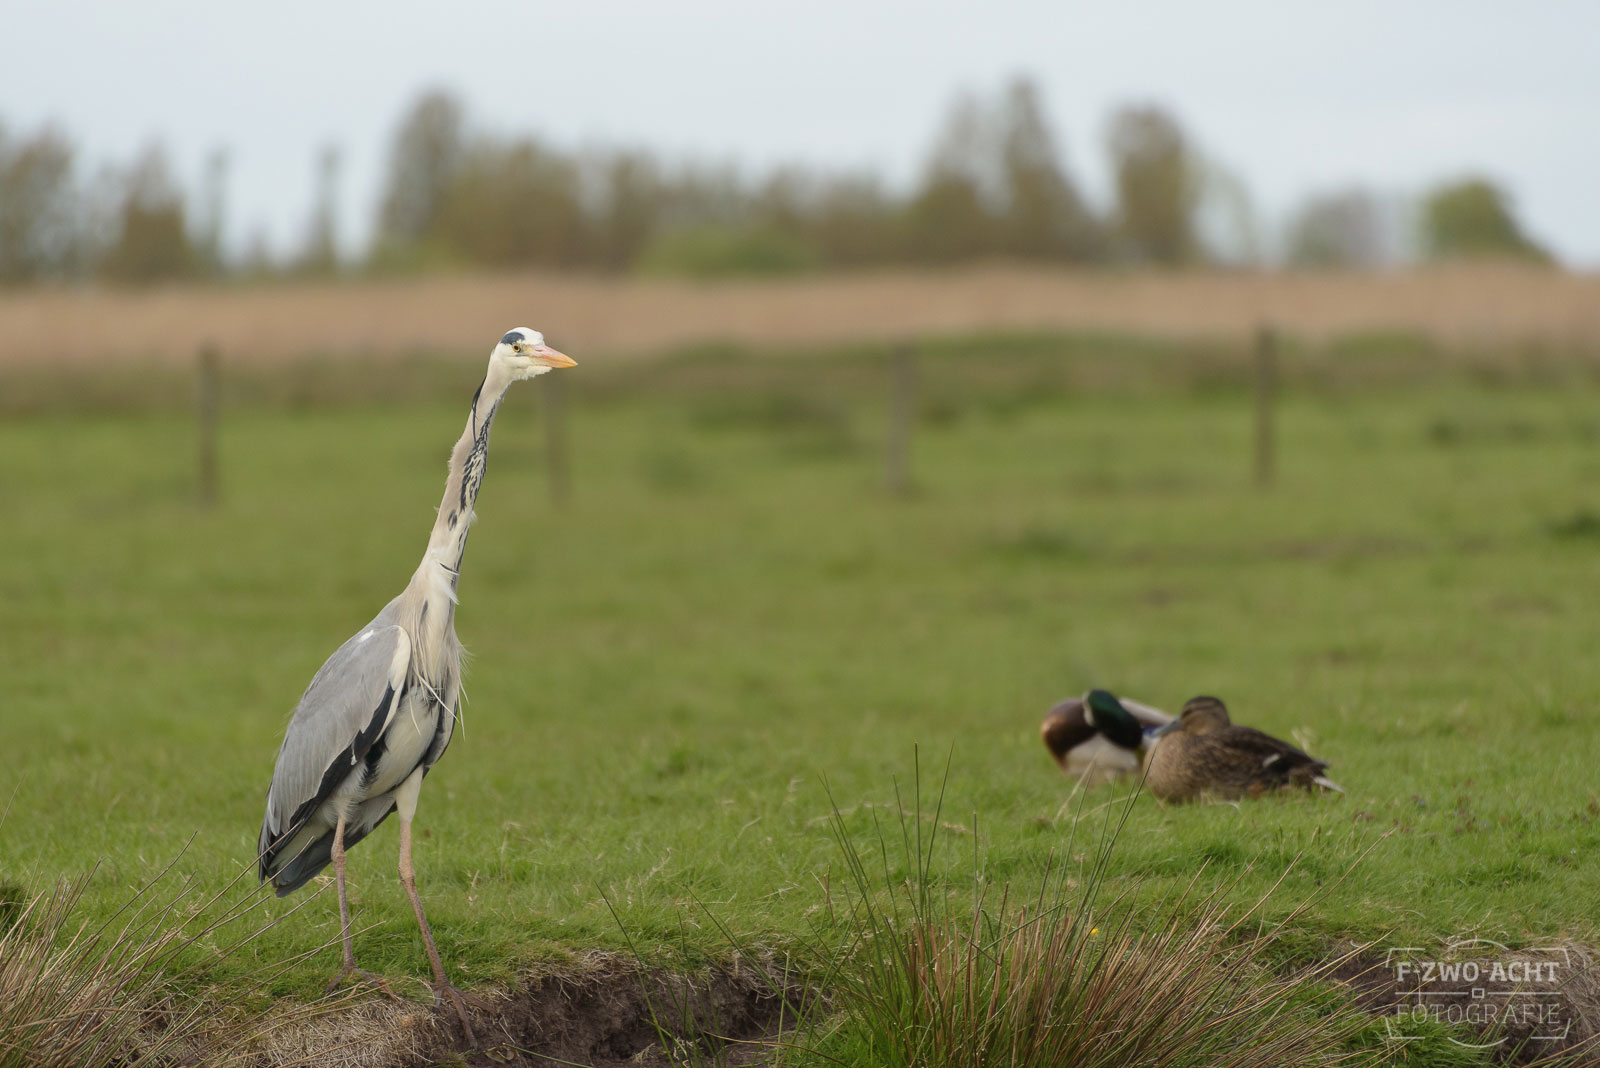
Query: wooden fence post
point(208, 398)
point(558, 476)
point(902, 415)
point(1266, 396)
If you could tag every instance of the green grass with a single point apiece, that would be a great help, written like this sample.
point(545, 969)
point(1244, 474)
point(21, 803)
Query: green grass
point(729, 611)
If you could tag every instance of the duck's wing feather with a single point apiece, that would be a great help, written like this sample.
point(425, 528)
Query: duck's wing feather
point(1280, 764)
point(1147, 715)
point(1274, 752)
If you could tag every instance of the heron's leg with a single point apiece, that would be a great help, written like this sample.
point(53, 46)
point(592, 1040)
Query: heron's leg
point(349, 968)
point(344, 897)
point(406, 807)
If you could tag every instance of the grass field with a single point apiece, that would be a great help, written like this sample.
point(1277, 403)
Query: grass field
point(729, 615)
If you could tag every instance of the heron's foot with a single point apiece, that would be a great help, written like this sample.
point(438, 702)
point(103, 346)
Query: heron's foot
point(363, 976)
point(444, 990)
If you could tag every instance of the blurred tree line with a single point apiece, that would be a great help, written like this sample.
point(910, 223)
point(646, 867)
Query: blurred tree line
point(994, 187)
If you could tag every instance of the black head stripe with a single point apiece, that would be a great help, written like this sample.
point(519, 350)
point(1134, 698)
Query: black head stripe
point(512, 338)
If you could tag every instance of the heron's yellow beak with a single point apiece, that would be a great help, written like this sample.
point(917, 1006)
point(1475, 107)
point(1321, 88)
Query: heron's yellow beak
point(551, 358)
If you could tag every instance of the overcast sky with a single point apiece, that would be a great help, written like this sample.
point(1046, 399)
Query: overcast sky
point(1294, 97)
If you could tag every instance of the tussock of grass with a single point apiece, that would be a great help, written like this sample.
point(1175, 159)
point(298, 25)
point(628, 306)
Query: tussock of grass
point(1581, 524)
point(124, 993)
point(1062, 978)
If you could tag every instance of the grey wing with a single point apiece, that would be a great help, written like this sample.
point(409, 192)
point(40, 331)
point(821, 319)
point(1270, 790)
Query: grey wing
point(343, 712)
point(1147, 715)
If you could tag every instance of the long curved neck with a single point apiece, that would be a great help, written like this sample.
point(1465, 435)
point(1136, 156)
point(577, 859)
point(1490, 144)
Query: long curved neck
point(429, 604)
point(448, 541)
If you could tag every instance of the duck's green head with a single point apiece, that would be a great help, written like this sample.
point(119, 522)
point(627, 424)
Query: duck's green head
point(1107, 715)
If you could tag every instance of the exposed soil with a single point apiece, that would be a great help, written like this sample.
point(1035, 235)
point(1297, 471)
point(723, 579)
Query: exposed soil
point(1518, 1008)
point(607, 1012)
point(604, 1012)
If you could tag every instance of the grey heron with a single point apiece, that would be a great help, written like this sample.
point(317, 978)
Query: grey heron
point(381, 710)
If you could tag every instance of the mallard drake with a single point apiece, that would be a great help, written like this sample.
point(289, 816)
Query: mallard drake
point(1099, 748)
point(1204, 753)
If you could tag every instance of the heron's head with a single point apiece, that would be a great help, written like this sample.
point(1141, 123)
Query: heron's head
point(525, 355)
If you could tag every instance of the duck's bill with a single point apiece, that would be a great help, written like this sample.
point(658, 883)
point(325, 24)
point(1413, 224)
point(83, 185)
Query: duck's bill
point(551, 358)
point(1165, 728)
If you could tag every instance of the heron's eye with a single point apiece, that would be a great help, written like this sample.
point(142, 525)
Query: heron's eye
point(517, 348)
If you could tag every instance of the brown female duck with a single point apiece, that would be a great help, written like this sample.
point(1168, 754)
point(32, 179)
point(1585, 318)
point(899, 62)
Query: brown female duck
point(1205, 754)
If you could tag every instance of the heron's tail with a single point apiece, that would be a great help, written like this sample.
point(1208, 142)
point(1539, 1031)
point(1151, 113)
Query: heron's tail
point(305, 865)
point(308, 863)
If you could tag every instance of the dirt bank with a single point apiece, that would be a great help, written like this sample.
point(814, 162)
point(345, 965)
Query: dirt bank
point(602, 1012)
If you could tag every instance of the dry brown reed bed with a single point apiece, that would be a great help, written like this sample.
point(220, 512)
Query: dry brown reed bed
point(132, 991)
point(1473, 306)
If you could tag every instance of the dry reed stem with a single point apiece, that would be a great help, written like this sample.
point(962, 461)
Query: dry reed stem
point(115, 993)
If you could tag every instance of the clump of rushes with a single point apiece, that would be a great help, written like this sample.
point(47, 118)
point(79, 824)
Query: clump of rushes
point(1059, 979)
point(124, 994)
